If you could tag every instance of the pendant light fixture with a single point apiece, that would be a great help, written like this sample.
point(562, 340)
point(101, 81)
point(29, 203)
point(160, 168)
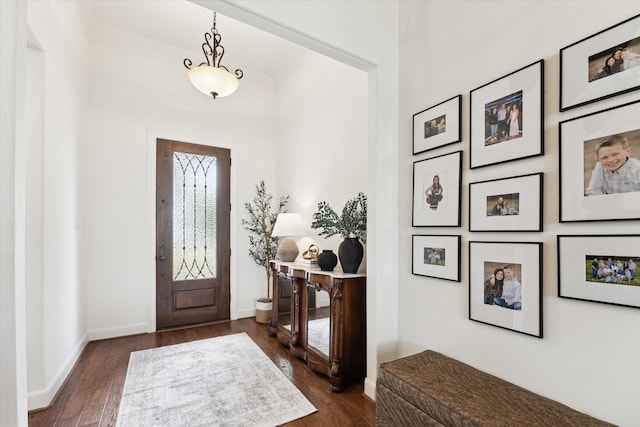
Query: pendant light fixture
point(210, 77)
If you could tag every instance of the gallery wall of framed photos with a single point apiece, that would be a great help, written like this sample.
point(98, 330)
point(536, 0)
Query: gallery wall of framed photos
point(526, 215)
point(596, 172)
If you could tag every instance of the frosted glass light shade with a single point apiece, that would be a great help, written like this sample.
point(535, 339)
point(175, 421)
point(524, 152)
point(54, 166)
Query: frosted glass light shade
point(213, 81)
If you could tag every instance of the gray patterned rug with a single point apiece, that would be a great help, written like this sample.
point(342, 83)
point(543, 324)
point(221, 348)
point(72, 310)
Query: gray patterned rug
point(223, 381)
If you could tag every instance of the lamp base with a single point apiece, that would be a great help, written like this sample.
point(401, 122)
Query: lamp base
point(288, 250)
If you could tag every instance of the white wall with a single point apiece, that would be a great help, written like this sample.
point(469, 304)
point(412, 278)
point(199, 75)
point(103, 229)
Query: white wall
point(363, 34)
point(130, 108)
point(13, 369)
point(54, 284)
point(588, 358)
point(322, 138)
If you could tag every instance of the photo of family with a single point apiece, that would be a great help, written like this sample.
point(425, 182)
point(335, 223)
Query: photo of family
point(503, 119)
point(435, 126)
point(435, 256)
point(618, 270)
point(434, 191)
point(501, 285)
point(503, 204)
point(616, 59)
point(609, 167)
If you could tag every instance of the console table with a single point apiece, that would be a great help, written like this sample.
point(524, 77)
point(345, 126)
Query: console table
point(325, 323)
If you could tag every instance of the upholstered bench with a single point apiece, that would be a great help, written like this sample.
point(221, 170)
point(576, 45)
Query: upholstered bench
point(430, 389)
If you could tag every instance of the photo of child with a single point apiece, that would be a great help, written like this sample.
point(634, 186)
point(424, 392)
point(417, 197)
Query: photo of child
point(434, 191)
point(608, 165)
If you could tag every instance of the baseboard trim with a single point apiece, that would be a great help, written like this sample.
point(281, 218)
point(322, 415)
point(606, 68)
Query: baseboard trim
point(370, 388)
point(41, 399)
point(101, 334)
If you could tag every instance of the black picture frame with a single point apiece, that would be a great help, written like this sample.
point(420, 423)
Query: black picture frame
point(507, 204)
point(436, 256)
point(578, 280)
point(440, 208)
point(507, 117)
point(512, 307)
point(437, 126)
point(584, 193)
point(586, 76)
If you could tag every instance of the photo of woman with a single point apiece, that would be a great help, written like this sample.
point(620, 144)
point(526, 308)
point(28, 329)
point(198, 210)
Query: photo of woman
point(434, 193)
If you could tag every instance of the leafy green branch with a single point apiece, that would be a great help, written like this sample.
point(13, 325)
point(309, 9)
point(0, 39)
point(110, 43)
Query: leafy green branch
point(351, 223)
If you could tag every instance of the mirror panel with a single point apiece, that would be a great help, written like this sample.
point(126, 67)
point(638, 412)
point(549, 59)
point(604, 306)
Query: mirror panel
point(284, 303)
point(318, 326)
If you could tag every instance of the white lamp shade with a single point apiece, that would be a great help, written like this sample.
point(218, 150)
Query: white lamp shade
point(216, 80)
point(289, 225)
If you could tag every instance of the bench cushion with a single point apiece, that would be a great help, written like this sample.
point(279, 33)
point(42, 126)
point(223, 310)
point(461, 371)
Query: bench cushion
point(430, 389)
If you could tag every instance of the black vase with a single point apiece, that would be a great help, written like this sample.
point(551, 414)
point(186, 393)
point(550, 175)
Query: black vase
point(350, 252)
point(327, 260)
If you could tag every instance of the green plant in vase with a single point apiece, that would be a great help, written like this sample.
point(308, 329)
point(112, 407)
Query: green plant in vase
point(262, 217)
point(351, 224)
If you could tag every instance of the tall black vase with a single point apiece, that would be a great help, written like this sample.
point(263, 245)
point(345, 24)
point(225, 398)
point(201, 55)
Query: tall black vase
point(350, 253)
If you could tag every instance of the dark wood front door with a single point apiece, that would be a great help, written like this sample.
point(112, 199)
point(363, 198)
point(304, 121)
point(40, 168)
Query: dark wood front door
point(192, 233)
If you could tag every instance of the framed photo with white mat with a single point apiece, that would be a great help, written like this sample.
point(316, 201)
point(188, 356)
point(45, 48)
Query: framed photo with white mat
point(507, 121)
point(600, 66)
point(506, 204)
point(600, 268)
point(600, 166)
point(437, 185)
point(436, 256)
point(437, 126)
point(505, 285)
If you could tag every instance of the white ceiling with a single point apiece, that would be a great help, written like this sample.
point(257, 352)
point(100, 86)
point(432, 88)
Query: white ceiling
point(181, 25)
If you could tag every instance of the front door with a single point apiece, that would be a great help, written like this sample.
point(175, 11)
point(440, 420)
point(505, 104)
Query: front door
point(192, 233)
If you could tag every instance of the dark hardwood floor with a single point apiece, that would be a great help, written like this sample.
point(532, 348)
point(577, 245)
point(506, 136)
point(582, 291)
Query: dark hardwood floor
point(91, 394)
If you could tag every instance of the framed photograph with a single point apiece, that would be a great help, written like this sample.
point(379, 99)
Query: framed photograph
point(437, 126)
point(600, 268)
point(436, 256)
point(437, 185)
point(600, 66)
point(599, 167)
point(505, 285)
point(507, 204)
point(507, 121)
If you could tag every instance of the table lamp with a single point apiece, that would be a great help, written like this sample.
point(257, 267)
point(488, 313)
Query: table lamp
point(288, 225)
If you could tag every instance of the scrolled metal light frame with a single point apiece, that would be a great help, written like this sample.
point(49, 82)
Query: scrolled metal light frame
point(213, 52)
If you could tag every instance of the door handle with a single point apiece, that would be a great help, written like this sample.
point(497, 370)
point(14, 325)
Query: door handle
point(161, 258)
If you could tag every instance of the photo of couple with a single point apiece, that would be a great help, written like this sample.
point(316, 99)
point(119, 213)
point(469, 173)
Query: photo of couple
point(501, 286)
point(504, 204)
point(435, 126)
point(435, 256)
point(503, 119)
point(608, 269)
point(617, 59)
point(609, 167)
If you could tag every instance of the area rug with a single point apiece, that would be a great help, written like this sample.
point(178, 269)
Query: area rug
point(222, 381)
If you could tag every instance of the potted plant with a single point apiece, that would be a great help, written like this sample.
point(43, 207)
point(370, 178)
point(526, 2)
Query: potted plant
point(351, 225)
point(262, 245)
